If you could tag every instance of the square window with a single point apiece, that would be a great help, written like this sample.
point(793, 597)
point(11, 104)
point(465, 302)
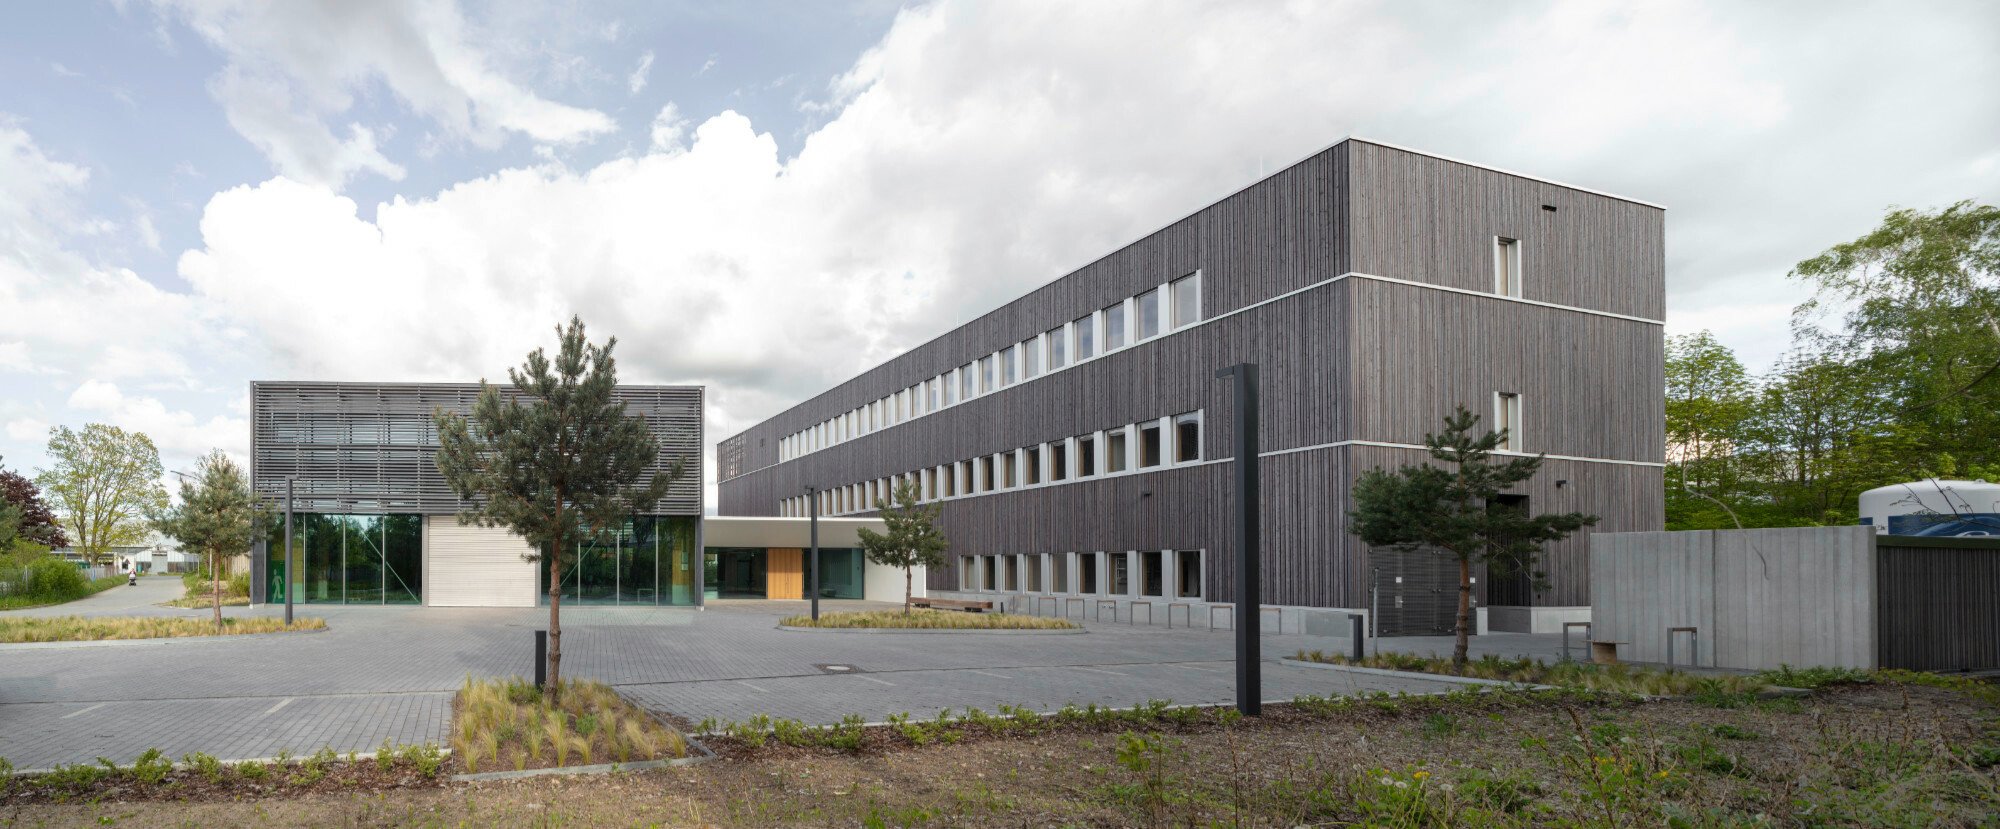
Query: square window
point(1086, 340)
point(1149, 314)
point(1150, 445)
point(1187, 299)
point(1057, 352)
point(1187, 437)
point(1114, 327)
point(1114, 451)
point(1086, 456)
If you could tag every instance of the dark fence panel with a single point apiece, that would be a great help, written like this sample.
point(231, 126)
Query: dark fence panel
point(1939, 603)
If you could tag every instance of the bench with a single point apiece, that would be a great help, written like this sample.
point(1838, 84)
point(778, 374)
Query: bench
point(952, 604)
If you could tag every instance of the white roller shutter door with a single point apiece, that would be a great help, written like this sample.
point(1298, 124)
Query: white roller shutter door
point(475, 566)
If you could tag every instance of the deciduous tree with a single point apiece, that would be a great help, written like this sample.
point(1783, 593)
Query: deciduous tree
point(912, 538)
point(34, 521)
point(555, 459)
point(104, 484)
point(1452, 505)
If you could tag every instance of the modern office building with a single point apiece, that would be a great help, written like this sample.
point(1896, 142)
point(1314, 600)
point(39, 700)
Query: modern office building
point(375, 523)
point(1078, 437)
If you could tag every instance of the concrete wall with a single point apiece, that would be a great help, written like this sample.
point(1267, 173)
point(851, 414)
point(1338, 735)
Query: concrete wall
point(1756, 598)
point(467, 566)
point(885, 584)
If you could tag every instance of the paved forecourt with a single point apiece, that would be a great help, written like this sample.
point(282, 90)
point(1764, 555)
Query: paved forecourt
point(387, 673)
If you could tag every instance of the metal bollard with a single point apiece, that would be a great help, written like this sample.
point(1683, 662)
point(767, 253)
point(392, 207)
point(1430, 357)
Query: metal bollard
point(541, 658)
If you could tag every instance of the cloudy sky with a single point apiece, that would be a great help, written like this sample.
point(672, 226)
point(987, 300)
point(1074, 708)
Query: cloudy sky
point(767, 198)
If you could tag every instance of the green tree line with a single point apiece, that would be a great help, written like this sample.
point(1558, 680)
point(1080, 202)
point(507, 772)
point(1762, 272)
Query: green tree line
point(1893, 375)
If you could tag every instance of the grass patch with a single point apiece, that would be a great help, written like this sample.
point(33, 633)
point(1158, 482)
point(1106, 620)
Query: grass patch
point(199, 602)
point(508, 724)
point(90, 588)
point(1724, 690)
point(87, 629)
point(928, 620)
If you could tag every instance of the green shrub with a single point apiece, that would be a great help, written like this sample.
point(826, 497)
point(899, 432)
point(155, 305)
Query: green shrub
point(239, 584)
point(55, 579)
point(152, 767)
point(206, 765)
point(252, 770)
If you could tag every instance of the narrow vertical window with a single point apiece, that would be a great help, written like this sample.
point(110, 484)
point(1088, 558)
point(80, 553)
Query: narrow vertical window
point(1187, 437)
point(1114, 327)
point(933, 394)
point(1188, 565)
point(1086, 337)
point(1506, 266)
point(968, 386)
point(1121, 574)
point(1058, 351)
point(1187, 299)
point(1059, 573)
point(1151, 444)
point(1031, 357)
point(1149, 314)
point(1059, 460)
point(1114, 451)
point(1153, 573)
point(1086, 456)
point(1507, 415)
point(1009, 358)
point(1007, 468)
point(986, 383)
point(1031, 466)
point(986, 475)
point(1086, 573)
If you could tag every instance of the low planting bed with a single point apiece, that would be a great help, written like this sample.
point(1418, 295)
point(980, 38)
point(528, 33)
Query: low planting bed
point(1617, 678)
point(97, 628)
point(154, 776)
point(925, 620)
point(511, 725)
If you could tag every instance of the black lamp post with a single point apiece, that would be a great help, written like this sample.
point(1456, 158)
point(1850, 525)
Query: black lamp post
point(812, 504)
point(1249, 672)
point(289, 479)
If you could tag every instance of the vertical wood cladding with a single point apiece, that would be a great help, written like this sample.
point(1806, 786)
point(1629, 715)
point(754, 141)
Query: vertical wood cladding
point(1359, 359)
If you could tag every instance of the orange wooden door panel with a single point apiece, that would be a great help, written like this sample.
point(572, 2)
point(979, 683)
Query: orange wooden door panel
point(784, 573)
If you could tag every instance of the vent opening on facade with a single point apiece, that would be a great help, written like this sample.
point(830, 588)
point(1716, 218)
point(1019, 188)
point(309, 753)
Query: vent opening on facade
point(1549, 207)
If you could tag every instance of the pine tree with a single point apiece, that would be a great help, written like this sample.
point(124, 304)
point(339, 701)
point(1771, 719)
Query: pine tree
point(1452, 507)
point(912, 538)
point(217, 516)
point(555, 460)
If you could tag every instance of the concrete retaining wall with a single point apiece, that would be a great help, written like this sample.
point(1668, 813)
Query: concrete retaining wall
point(1756, 598)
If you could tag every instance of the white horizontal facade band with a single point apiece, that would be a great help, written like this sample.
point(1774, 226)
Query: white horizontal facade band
point(1222, 316)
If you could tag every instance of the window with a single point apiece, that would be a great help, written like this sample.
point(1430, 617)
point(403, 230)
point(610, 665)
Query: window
point(968, 386)
point(1008, 359)
point(1187, 437)
point(1152, 573)
point(1114, 451)
point(1114, 327)
point(1031, 574)
point(1506, 266)
point(1149, 314)
point(1012, 571)
point(992, 581)
point(1031, 357)
point(1086, 456)
point(965, 580)
point(935, 384)
point(1507, 415)
point(1187, 299)
point(985, 474)
point(1086, 573)
point(1150, 444)
point(986, 378)
point(963, 470)
point(1007, 470)
point(927, 485)
point(1031, 465)
point(1188, 565)
point(1059, 460)
point(1059, 573)
point(1057, 351)
point(1121, 574)
point(1086, 341)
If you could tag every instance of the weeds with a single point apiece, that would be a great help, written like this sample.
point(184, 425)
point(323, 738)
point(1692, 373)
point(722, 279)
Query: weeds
point(80, 628)
point(928, 620)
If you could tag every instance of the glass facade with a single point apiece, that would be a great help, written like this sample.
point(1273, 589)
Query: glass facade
point(648, 561)
point(348, 559)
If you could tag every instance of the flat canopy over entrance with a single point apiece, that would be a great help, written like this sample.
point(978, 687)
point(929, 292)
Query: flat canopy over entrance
point(784, 532)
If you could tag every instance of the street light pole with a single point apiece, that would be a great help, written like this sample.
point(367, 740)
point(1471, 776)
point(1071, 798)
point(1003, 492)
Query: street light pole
point(289, 479)
point(812, 500)
point(1249, 670)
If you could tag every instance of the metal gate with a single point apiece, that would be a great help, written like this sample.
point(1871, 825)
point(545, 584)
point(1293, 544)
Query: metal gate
point(1416, 592)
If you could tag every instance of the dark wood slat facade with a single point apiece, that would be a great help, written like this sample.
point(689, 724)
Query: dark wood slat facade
point(1359, 359)
point(1936, 609)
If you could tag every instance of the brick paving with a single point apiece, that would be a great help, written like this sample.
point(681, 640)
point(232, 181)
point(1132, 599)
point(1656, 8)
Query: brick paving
point(389, 672)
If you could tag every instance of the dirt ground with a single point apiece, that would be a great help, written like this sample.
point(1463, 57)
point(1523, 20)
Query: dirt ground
point(1866, 755)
